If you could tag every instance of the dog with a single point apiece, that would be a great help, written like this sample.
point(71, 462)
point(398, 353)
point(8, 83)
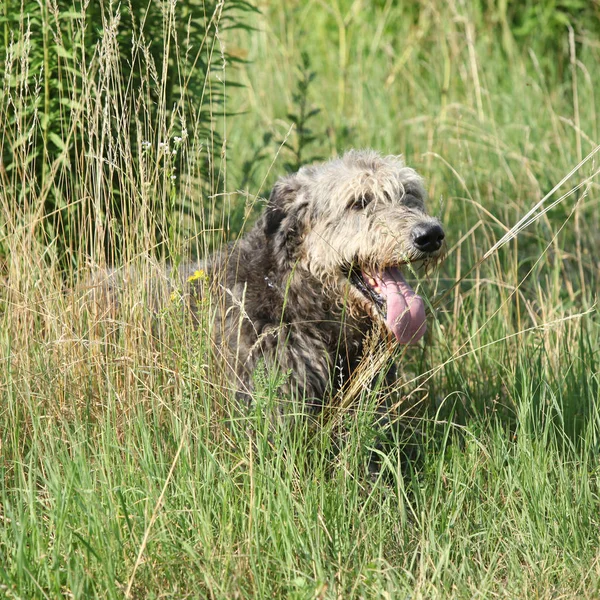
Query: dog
point(321, 271)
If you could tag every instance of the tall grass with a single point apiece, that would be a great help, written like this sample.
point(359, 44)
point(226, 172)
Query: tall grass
point(125, 470)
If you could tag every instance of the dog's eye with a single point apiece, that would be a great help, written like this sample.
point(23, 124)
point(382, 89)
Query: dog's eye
point(411, 201)
point(361, 201)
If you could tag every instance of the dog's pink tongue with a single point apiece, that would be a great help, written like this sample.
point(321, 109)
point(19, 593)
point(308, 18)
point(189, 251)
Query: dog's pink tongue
point(405, 309)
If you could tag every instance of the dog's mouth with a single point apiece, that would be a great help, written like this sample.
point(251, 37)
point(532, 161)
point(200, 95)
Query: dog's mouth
point(401, 309)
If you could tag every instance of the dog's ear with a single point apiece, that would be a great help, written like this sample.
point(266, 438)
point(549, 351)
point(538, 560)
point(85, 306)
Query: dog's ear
point(284, 218)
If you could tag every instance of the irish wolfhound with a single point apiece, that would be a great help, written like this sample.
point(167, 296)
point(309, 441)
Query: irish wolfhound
point(321, 269)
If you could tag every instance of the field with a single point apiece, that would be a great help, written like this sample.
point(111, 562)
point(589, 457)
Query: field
point(135, 137)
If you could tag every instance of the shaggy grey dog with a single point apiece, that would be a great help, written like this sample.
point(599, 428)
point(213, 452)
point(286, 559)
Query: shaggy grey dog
point(320, 270)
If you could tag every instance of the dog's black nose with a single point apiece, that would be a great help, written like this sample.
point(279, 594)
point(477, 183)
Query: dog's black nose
point(428, 237)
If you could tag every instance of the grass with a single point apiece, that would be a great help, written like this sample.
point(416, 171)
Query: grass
point(124, 470)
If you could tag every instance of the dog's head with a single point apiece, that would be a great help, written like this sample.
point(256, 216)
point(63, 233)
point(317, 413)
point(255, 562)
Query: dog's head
point(354, 223)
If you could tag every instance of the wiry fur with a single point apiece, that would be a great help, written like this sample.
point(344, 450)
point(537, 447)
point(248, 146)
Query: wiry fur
point(284, 288)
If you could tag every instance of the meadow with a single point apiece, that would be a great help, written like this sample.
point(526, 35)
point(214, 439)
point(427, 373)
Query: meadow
point(136, 134)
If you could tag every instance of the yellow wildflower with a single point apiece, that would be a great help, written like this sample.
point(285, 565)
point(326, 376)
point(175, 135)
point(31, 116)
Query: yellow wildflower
point(198, 274)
